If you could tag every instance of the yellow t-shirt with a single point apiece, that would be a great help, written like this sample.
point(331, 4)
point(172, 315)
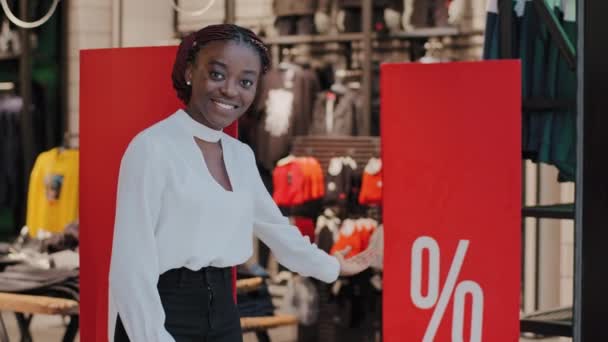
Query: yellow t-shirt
point(52, 201)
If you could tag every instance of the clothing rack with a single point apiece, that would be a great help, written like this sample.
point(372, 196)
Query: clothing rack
point(585, 320)
point(323, 148)
point(24, 60)
point(539, 322)
point(366, 39)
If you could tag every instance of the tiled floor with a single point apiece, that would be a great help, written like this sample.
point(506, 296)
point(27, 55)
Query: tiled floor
point(51, 329)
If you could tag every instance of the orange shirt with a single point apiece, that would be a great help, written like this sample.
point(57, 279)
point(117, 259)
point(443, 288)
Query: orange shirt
point(371, 185)
point(287, 182)
point(348, 237)
point(307, 185)
point(317, 182)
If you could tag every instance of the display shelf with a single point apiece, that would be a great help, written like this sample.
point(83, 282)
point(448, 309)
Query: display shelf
point(350, 37)
point(7, 56)
point(323, 148)
point(564, 211)
point(309, 39)
point(557, 322)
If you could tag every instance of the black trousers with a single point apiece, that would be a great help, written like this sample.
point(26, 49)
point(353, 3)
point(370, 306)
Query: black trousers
point(199, 306)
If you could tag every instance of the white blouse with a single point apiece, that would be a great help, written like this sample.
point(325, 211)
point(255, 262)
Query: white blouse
point(172, 213)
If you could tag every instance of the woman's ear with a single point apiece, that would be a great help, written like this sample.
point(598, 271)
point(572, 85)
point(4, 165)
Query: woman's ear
point(188, 74)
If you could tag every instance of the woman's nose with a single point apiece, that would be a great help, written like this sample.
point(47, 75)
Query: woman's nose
point(229, 89)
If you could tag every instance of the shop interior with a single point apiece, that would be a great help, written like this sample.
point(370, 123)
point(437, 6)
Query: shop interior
point(319, 118)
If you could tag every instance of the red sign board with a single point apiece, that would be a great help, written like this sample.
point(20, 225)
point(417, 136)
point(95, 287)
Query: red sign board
point(122, 91)
point(451, 143)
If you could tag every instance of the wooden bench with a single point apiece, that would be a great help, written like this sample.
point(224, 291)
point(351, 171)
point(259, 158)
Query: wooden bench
point(252, 324)
point(248, 284)
point(26, 306)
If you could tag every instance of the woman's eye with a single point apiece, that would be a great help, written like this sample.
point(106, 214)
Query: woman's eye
point(216, 75)
point(246, 83)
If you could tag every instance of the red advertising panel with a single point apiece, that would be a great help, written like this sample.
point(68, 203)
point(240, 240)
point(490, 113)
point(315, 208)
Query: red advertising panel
point(122, 91)
point(451, 143)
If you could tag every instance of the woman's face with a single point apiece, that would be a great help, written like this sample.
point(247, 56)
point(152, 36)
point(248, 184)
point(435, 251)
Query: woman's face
point(224, 76)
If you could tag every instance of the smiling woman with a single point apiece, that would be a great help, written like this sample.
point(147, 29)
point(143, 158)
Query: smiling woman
point(224, 78)
point(189, 200)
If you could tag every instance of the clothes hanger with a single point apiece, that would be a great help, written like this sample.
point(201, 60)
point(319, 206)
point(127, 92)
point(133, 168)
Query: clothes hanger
point(338, 87)
point(286, 160)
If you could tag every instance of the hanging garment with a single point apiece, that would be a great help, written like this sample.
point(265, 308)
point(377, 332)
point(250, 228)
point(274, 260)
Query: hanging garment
point(288, 181)
point(429, 13)
point(282, 8)
point(306, 226)
point(279, 116)
point(279, 107)
point(295, 25)
point(11, 162)
point(337, 114)
point(297, 180)
point(53, 191)
point(355, 234)
point(317, 179)
point(267, 146)
point(327, 230)
point(547, 136)
point(562, 150)
point(295, 17)
point(377, 242)
point(371, 185)
point(366, 228)
point(351, 20)
point(339, 180)
point(348, 237)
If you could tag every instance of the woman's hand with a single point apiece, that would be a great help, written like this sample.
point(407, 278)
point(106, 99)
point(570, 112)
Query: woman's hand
point(356, 264)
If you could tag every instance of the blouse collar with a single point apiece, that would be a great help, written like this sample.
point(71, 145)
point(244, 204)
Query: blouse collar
point(197, 129)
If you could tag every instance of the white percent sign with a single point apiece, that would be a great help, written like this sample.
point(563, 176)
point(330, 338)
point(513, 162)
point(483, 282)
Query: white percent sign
point(461, 290)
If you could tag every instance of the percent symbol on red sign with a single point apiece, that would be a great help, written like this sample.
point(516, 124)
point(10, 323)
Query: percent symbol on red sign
point(440, 300)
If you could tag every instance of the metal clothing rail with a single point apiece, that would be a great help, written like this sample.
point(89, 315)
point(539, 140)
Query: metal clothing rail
point(558, 34)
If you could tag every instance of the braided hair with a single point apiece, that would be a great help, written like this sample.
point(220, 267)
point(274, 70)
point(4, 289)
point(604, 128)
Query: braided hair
point(191, 45)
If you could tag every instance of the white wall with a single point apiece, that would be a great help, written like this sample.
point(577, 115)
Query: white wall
point(89, 26)
point(147, 23)
point(250, 13)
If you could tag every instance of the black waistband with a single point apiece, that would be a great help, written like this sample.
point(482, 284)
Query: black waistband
point(185, 276)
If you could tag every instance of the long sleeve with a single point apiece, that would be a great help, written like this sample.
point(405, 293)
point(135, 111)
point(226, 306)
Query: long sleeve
point(134, 269)
point(293, 250)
